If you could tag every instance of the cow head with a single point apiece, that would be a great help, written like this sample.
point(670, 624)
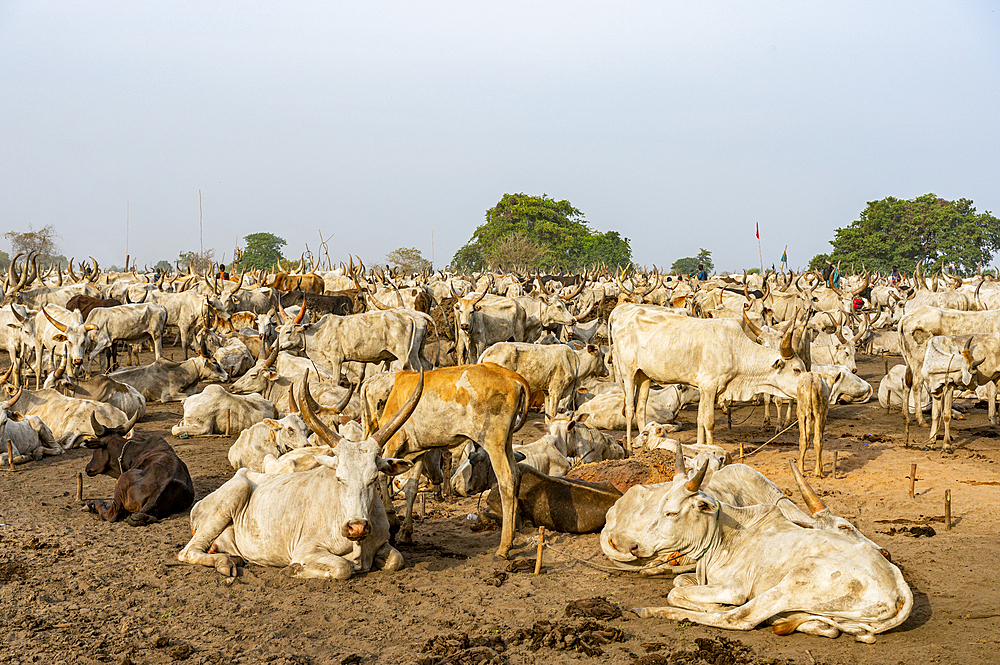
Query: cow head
point(553, 312)
point(110, 448)
point(76, 338)
point(6, 413)
point(208, 367)
point(592, 361)
point(256, 378)
point(292, 331)
point(357, 463)
point(651, 521)
point(465, 309)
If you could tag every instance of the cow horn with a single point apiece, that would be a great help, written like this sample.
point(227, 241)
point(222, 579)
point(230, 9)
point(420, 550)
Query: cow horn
point(378, 304)
point(96, 426)
point(481, 296)
point(868, 280)
point(302, 311)
point(12, 276)
point(679, 460)
point(97, 269)
point(838, 330)
point(342, 404)
point(694, 484)
point(16, 396)
point(750, 324)
point(812, 499)
point(125, 297)
point(322, 430)
point(829, 283)
point(62, 367)
point(975, 297)
point(786, 346)
point(292, 407)
point(269, 363)
point(857, 338)
point(60, 326)
point(387, 431)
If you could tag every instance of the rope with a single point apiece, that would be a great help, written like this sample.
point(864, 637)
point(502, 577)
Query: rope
point(754, 452)
point(752, 409)
point(533, 542)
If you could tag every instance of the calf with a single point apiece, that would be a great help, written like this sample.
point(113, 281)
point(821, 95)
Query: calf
point(813, 398)
point(152, 482)
point(269, 437)
point(169, 381)
point(560, 504)
point(553, 368)
point(217, 411)
point(28, 436)
point(98, 388)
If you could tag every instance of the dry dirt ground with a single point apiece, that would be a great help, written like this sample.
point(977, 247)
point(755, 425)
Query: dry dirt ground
point(75, 590)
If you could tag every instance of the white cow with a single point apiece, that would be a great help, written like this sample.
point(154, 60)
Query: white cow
point(29, 437)
point(215, 410)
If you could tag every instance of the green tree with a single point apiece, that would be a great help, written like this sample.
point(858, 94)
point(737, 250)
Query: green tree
point(262, 251)
point(689, 264)
point(899, 232)
point(408, 258)
point(42, 241)
point(163, 266)
point(198, 262)
point(555, 226)
point(4, 260)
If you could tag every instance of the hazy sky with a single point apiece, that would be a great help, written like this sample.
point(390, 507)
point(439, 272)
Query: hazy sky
point(679, 125)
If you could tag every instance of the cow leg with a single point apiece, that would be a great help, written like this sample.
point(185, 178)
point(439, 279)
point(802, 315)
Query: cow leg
point(210, 518)
point(803, 436)
point(109, 513)
point(991, 395)
point(628, 407)
point(641, 400)
point(410, 491)
point(387, 558)
point(936, 400)
point(502, 456)
point(947, 399)
point(706, 414)
point(817, 427)
point(320, 564)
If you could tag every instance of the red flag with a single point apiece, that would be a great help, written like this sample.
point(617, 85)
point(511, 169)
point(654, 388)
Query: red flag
point(758, 230)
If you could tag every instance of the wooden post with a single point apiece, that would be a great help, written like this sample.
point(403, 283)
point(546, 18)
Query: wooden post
point(906, 444)
point(729, 414)
point(79, 486)
point(947, 510)
point(741, 452)
point(423, 505)
point(834, 463)
point(538, 553)
point(227, 421)
point(913, 478)
point(10, 455)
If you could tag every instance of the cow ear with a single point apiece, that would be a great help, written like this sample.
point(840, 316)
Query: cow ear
point(273, 424)
point(592, 349)
point(59, 338)
point(519, 456)
point(582, 418)
point(778, 364)
point(329, 461)
point(705, 506)
point(271, 375)
point(94, 444)
point(13, 325)
point(394, 466)
point(478, 308)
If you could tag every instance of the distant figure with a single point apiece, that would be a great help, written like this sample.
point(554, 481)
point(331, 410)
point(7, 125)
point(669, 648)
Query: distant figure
point(222, 272)
point(702, 274)
point(895, 275)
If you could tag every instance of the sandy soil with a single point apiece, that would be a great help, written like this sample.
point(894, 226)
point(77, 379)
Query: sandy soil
point(75, 590)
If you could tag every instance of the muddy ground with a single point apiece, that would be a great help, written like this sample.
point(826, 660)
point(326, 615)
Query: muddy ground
point(75, 590)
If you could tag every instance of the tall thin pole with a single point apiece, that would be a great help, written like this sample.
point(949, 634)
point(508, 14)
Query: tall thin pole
point(759, 251)
point(201, 231)
point(126, 234)
point(432, 250)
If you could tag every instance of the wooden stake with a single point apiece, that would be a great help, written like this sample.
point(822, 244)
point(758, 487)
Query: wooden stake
point(947, 510)
point(10, 455)
point(834, 463)
point(906, 444)
point(423, 505)
point(741, 452)
point(227, 421)
point(538, 553)
point(79, 486)
point(913, 478)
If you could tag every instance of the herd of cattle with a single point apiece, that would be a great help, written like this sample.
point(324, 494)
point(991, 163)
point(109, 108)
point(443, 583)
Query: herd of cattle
point(343, 379)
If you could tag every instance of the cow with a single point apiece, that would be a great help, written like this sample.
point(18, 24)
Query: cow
point(369, 337)
point(755, 565)
point(550, 454)
point(662, 406)
point(99, 389)
point(340, 304)
point(67, 333)
point(567, 505)
point(483, 320)
point(234, 357)
point(28, 436)
point(484, 403)
point(813, 400)
point(151, 482)
point(338, 526)
point(594, 445)
point(17, 336)
point(269, 437)
point(541, 314)
point(217, 411)
point(86, 304)
point(555, 369)
point(711, 354)
point(189, 310)
point(916, 328)
point(168, 381)
point(68, 418)
point(131, 324)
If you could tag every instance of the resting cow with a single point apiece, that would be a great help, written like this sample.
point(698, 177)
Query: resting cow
point(327, 523)
point(152, 482)
point(29, 437)
point(755, 565)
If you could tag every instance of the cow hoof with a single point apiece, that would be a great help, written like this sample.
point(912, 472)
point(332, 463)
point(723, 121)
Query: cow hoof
point(405, 538)
point(140, 519)
point(867, 638)
point(292, 570)
point(643, 612)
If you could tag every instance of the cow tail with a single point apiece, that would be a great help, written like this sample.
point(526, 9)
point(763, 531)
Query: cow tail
point(524, 395)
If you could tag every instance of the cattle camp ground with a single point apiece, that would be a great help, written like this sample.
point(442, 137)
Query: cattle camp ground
point(74, 589)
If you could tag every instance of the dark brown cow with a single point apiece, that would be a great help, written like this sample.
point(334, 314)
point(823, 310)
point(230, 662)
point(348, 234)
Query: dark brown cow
point(152, 481)
point(568, 505)
point(86, 304)
point(340, 303)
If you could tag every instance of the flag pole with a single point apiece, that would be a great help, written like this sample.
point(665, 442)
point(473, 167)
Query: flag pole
point(759, 251)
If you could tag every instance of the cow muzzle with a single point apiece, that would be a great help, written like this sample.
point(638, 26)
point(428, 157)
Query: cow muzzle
point(464, 326)
point(357, 530)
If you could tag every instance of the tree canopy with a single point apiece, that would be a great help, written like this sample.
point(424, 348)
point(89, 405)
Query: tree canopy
point(408, 258)
point(689, 264)
point(899, 233)
point(263, 250)
point(197, 262)
point(547, 234)
point(42, 241)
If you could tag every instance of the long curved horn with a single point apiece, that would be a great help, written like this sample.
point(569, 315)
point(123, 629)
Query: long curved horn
point(975, 296)
point(861, 333)
point(302, 311)
point(292, 406)
point(750, 324)
point(60, 326)
point(6, 376)
point(96, 426)
point(269, 363)
point(812, 499)
point(322, 430)
point(868, 280)
point(16, 396)
point(786, 346)
point(377, 303)
point(12, 276)
point(829, 283)
point(97, 270)
point(62, 367)
point(694, 484)
point(69, 269)
point(481, 296)
point(342, 404)
point(679, 460)
point(386, 432)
